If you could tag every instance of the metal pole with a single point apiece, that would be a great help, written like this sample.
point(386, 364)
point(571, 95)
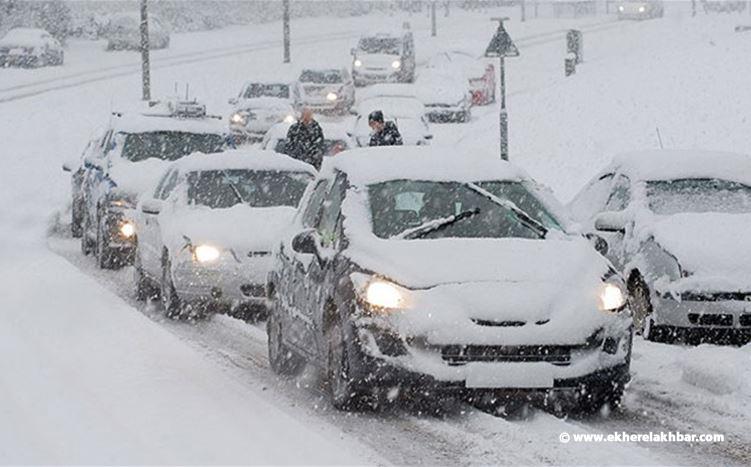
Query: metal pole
point(504, 115)
point(285, 29)
point(433, 31)
point(145, 66)
point(524, 10)
point(693, 8)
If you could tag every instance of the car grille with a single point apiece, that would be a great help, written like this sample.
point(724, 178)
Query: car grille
point(710, 319)
point(716, 296)
point(506, 323)
point(462, 354)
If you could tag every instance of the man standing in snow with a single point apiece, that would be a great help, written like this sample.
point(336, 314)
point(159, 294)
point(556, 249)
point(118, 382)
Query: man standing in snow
point(305, 140)
point(384, 133)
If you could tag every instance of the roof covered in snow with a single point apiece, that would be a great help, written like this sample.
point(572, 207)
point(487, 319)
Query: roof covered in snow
point(372, 165)
point(253, 159)
point(140, 123)
point(677, 164)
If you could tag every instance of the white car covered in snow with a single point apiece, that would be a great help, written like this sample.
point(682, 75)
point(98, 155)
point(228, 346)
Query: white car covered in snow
point(259, 107)
point(409, 268)
point(336, 138)
point(384, 58)
point(478, 73)
point(206, 232)
point(325, 90)
point(446, 96)
point(677, 225)
point(640, 9)
point(29, 47)
point(407, 112)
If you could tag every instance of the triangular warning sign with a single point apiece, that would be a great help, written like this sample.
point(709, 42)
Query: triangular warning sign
point(501, 44)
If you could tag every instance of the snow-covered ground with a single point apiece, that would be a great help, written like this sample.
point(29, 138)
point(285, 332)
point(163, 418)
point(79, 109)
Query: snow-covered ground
point(90, 376)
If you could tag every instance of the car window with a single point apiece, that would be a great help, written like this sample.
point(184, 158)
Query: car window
point(160, 185)
point(332, 206)
point(313, 209)
point(620, 196)
point(592, 198)
point(169, 185)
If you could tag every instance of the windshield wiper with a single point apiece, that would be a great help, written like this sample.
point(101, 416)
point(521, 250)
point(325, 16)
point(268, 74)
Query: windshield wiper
point(524, 219)
point(234, 188)
point(434, 225)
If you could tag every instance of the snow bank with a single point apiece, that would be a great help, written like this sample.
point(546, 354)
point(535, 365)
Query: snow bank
point(719, 370)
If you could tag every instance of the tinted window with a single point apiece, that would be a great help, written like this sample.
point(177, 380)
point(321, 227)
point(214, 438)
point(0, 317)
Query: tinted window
point(266, 90)
point(310, 216)
point(380, 45)
point(168, 145)
point(321, 76)
point(621, 195)
point(226, 188)
point(330, 214)
point(698, 195)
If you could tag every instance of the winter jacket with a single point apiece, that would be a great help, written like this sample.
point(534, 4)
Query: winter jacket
point(388, 136)
point(305, 143)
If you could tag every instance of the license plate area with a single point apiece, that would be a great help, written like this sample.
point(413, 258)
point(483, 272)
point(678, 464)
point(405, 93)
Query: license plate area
point(531, 375)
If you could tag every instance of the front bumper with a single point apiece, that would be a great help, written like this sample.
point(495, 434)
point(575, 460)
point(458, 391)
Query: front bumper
point(732, 314)
point(18, 60)
point(446, 113)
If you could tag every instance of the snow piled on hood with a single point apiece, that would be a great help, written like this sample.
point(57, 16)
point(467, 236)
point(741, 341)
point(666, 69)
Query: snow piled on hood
point(137, 177)
point(264, 102)
point(252, 159)
point(678, 164)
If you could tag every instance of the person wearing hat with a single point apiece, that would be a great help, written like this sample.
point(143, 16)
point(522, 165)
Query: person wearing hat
point(384, 133)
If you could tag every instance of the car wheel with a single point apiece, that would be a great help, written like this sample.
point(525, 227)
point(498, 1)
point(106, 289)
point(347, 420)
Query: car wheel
point(283, 361)
point(345, 395)
point(171, 302)
point(76, 221)
point(145, 290)
point(594, 398)
point(87, 246)
point(107, 258)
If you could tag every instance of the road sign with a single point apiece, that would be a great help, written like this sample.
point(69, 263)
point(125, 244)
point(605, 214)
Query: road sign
point(501, 44)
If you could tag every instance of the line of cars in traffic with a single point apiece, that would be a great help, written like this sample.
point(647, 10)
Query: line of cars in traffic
point(404, 270)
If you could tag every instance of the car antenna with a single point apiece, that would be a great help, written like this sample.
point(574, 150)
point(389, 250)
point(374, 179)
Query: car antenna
point(187, 91)
point(659, 137)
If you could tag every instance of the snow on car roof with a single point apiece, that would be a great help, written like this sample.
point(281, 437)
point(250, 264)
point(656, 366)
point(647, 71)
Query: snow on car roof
point(393, 106)
point(676, 164)
point(140, 123)
point(365, 166)
point(253, 159)
point(387, 90)
point(264, 102)
point(25, 33)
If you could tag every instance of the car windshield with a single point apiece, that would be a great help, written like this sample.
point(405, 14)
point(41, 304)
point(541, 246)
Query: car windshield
point(257, 188)
point(169, 145)
point(399, 205)
point(321, 76)
point(380, 45)
point(668, 197)
point(266, 90)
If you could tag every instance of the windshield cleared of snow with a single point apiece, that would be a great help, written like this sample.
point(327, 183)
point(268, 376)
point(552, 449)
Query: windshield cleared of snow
point(168, 146)
point(667, 197)
point(266, 90)
point(260, 189)
point(321, 76)
point(380, 45)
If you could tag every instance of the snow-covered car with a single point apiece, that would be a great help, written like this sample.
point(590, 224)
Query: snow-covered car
point(677, 224)
point(30, 47)
point(255, 89)
point(446, 96)
point(206, 232)
point(640, 9)
point(409, 268)
point(77, 169)
point(252, 117)
point(407, 112)
point(123, 32)
point(480, 74)
point(336, 138)
point(325, 90)
point(384, 58)
point(125, 161)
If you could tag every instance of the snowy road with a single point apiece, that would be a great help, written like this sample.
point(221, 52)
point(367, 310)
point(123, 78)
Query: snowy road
point(673, 388)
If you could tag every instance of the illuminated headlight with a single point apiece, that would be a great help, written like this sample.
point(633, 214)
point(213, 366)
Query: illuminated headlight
point(127, 229)
point(122, 203)
point(384, 294)
point(396, 64)
point(612, 297)
point(331, 96)
point(621, 8)
point(238, 118)
point(289, 119)
point(642, 9)
point(358, 63)
point(205, 253)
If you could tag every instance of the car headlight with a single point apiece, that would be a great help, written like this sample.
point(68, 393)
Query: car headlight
point(238, 118)
point(127, 229)
point(205, 253)
point(612, 297)
point(289, 119)
point(396, 64)
point(358, 63)
point(641, 9)
point(331, 96)
point(621, 8)
point(384, 294)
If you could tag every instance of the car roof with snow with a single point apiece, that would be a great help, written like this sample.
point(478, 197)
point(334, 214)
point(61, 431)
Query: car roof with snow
point(251, 159)
point(393, 106)
point(365, 166)
point(23, 36)
point(678, 164)
point(387, 90)
point(264, 102)
point(162, 116)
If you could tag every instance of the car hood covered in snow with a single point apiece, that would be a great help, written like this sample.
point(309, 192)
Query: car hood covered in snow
point(711, 247)
point(134, 178)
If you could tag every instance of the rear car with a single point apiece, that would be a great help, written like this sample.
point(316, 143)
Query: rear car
point(641, 9)
point(335, 138)
point(206, 231)
point(446, 96)
point(252, 117)
point(123, 32)
point(325, 90)
point(478, 73)
point(409, 271)
point(408, 113)
point(384, 58)
point(28, 47)
point(125, 161)
point(676, 224)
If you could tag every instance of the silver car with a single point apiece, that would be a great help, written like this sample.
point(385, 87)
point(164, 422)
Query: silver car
point(676, 223)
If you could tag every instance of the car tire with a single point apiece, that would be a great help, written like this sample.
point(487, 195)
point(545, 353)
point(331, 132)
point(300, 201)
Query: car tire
point(282, 359)
point(76, 221)
point(343, 390)
point(107, 258)
point(145, 290)
point(173, 307)
point(594, 398)
point(87, 246)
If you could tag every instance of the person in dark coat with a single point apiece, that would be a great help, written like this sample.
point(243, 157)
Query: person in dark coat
point(305, 140)
point(384, 133)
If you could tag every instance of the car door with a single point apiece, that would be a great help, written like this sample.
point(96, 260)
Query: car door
point(149, 233)
point(618, 200)
point(293, 278)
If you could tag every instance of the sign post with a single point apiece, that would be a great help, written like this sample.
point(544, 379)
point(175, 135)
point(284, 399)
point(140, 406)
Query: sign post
point(501, 46)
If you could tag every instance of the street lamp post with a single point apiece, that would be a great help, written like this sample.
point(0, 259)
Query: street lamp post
point(145, 65)
point(501, 46)
point(285, 29)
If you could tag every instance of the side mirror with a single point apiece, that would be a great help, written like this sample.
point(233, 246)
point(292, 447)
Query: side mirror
point(611, 221)
point(67, 167)
point(233, 101)
point(599, 243)
point(305, 243)
point(151, 206)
